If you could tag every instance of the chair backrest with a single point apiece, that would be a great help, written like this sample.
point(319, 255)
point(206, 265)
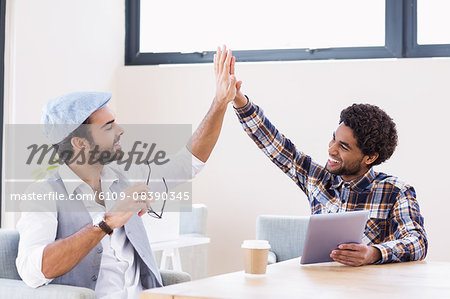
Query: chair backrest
point(9, 244)
point(286, 234)
point(194, 222)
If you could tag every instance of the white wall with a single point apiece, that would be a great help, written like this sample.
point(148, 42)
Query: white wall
point(59, 46)
point(56, 46)
point(303, 99)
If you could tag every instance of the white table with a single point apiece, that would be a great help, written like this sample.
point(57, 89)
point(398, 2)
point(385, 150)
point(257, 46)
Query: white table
point(170, 249)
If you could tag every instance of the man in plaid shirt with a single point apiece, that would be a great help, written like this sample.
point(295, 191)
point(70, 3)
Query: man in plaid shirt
point(366, 136)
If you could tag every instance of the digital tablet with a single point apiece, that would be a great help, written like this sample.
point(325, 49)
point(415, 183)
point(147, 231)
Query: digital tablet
point(327, 231)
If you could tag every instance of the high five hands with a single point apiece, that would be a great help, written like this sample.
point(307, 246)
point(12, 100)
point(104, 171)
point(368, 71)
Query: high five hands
point(227, 86)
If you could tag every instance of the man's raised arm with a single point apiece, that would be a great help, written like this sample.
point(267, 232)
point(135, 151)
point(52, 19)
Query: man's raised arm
point(205, 137)
point(279, 149)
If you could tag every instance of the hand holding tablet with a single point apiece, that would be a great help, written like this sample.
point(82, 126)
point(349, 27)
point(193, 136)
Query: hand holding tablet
point(356, 254)
point(327, 231)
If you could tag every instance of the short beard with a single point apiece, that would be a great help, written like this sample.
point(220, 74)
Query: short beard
point(105, 156)
point(352, 169)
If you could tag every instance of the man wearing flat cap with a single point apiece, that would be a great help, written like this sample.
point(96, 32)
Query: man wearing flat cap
point(97, 244)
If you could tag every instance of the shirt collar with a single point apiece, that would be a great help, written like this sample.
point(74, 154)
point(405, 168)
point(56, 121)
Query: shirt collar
point(337, 181)
point(72, 181)
point(362, 183)
point(356, 184)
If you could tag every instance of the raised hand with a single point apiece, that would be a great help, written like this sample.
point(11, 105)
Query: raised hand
point(226, 85)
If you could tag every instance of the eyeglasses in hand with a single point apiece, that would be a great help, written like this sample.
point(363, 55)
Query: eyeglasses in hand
point(150, 211)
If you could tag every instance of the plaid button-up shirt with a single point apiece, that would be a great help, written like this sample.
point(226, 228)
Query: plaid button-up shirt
point(395, 225)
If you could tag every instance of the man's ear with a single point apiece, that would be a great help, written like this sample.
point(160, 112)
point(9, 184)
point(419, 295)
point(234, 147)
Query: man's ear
point(79, 143)
point(372, 158)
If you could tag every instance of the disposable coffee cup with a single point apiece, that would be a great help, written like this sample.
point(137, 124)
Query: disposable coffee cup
point(256, 253)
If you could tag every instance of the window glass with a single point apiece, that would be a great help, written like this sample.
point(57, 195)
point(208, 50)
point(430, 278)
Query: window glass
point(433, 22)
point(200, 25)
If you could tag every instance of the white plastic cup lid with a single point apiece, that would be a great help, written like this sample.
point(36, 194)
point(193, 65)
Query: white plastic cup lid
point(256, 244)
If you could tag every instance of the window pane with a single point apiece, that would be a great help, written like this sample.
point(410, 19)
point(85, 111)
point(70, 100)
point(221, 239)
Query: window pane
point(433, 22)
point(201, 25)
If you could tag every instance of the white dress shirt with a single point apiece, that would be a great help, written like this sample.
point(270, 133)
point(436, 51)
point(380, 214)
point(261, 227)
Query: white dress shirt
point(119, 275)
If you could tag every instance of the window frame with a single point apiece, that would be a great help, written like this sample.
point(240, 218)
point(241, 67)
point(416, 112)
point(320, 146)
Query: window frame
point(392, 48)
point(400, 42)
point(2, 81)
point(412, 49)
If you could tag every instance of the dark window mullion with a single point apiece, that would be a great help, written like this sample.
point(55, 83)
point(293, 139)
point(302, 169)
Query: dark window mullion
point(410, 30)
point(2, 80)
point(394, 27)
point(268, 55)
point(132, 31)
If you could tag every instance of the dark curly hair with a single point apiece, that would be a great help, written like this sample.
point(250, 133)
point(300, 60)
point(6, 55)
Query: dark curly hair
point(373, 129)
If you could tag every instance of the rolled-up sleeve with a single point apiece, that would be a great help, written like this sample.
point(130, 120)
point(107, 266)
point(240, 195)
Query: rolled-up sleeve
point(197, 165)
point(37, 230)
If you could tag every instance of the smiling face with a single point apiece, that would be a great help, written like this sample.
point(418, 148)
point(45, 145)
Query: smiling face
point(105, 134)
point(345, 157)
